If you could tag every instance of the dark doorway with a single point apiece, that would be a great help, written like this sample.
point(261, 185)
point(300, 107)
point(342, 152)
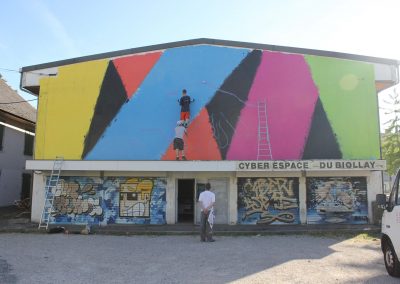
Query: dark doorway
point(26, 186)
point(186, 200)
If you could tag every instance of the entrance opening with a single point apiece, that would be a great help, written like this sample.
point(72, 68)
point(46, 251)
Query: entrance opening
point(186, 200)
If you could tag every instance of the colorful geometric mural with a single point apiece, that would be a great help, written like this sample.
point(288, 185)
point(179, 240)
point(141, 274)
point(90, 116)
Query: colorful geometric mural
point(66, 109)
point(337, 200)
point(126, 108)
point(268, 201)
point(112, 200)
point(284, 82)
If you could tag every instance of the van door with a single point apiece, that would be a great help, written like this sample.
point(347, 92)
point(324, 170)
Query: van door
point(391, 216)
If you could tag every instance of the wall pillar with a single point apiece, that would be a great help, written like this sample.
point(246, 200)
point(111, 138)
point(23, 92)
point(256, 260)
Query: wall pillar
point(233, 210)
point(374, 186)
point(302, 200)
point(38, 195)
point(170, 214)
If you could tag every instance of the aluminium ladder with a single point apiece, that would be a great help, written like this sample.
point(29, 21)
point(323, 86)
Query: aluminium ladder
point(50, 189)
point(264, 151)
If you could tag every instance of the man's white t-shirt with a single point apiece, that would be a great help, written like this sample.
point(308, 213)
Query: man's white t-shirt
point(206, 198)
point(179, 131)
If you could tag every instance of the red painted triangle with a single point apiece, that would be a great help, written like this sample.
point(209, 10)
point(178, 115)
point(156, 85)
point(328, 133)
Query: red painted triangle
point(199, 142)
point(133, 69)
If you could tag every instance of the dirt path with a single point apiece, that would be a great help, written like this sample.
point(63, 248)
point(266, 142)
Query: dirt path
point(30, 258)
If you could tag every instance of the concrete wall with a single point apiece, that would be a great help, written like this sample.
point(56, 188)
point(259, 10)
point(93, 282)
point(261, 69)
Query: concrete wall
point(12, 166)
point(269, 198)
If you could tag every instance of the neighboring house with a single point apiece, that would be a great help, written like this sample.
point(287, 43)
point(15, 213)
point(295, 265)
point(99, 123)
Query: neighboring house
point(284, 135)
point(17, 127)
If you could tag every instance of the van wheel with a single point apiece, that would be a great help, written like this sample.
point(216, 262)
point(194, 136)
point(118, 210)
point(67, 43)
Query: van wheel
point(391, 260)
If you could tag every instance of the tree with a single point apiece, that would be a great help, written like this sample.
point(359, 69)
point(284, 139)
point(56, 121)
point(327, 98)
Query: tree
point(391, 137)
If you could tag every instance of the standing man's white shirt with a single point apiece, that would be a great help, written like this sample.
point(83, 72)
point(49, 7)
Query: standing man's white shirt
point(206, 199)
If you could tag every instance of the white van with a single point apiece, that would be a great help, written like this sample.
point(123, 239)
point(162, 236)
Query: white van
point(390, 240)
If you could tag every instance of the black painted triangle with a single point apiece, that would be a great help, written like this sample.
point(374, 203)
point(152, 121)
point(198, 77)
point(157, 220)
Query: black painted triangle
point(224, 108)
point(321, 142)
point(112, 96)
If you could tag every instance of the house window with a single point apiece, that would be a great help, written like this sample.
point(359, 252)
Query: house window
point(28, 148)
point(1, 136)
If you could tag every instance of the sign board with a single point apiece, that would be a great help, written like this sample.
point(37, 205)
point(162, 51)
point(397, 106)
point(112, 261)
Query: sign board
point(311, 165)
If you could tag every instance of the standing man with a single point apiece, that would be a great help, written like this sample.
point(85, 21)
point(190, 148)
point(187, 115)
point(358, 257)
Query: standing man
point(179, 144)
point(184, 102)
point(206, 200)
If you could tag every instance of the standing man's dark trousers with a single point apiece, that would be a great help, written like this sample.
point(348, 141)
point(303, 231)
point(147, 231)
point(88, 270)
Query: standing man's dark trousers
point(205, 229)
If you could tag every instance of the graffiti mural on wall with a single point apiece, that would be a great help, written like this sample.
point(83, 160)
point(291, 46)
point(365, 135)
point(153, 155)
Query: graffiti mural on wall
point(337, 200)
point(301, 94)
point(71, 198)
point(268, 201)
point(112, 200)
point(135, 198)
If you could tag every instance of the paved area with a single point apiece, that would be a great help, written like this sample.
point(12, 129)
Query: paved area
point(61, 258)
point(14, 220)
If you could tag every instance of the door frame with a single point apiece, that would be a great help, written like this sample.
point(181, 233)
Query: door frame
point(177, 200)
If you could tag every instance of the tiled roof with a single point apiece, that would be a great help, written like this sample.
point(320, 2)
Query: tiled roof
point(23, 110)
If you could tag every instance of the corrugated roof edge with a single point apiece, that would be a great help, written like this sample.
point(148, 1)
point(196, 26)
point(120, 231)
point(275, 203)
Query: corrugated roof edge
point(213, 42)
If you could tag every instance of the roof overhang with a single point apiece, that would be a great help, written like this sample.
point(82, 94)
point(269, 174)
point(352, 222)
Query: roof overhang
point(386, 70)
point(211, 166)
point(17, 121)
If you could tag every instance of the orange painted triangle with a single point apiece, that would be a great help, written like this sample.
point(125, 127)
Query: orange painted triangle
point(133, 69)
point(199, 141)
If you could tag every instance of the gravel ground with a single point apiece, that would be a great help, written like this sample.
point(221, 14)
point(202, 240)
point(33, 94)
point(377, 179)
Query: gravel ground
point(59, 258)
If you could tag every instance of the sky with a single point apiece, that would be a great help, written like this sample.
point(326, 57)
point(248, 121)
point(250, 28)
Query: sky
point(41, 31)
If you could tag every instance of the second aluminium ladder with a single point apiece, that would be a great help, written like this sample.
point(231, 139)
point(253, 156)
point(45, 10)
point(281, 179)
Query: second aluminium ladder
point(50, 189)
point(264, 151)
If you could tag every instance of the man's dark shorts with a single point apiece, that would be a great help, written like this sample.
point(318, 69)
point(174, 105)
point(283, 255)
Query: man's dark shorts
point(178, 144)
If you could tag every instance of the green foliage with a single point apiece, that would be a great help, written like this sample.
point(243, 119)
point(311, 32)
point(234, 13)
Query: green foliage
point(391, 137)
